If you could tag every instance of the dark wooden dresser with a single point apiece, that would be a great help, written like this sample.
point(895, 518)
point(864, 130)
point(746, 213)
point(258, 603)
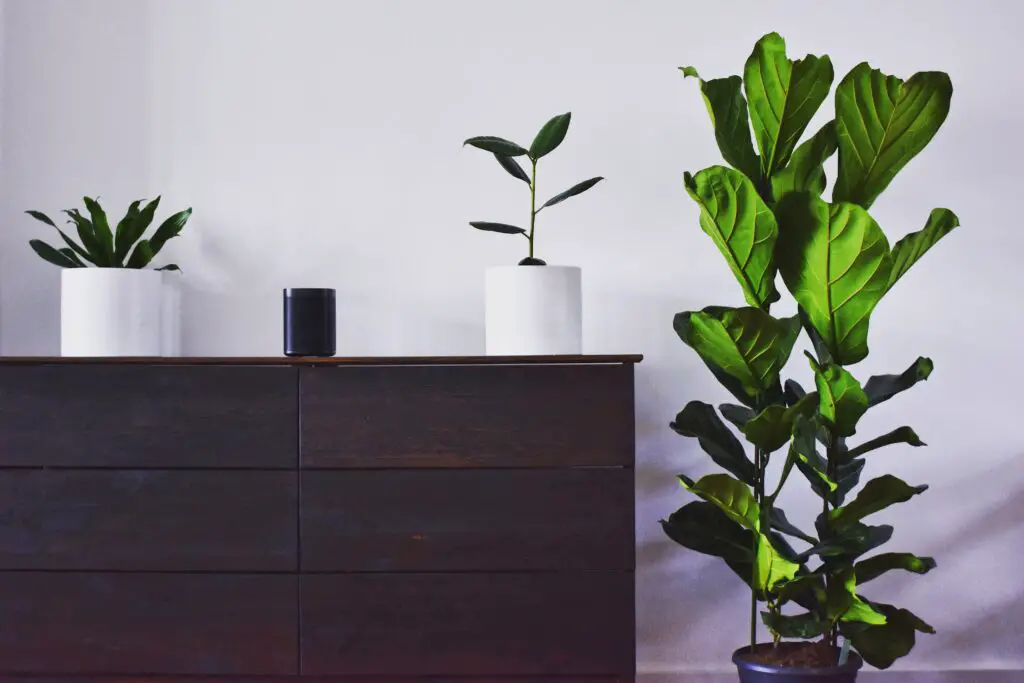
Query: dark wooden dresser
point(372, 520)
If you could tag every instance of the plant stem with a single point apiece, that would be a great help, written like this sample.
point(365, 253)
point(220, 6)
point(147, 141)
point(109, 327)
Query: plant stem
point(533, 200)
point(759, 466)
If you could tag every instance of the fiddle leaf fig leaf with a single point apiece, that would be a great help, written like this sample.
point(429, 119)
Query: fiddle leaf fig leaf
point(747, 344)
point(849, 543)
point(728, 111)
point(804, 454)
point(700, 420)
point(882, 645)
point(783, 96)
point(883, 123)
point(847, 477)
point(772, 427)
point(780, 522)
point(495, 145)
point(513, 167)
point(550, 136)
point(806, 169)
point(793, 392)
point(806, 625)
point(841, 400)
point(899, 435)
point(738, 415)
point(907, 251)
point(704, 528)
point(873, 567)
point(883, 387)
point(742, 227)
point(732, 496)
point(770, 567)
point(835, 260)
point(876, 495)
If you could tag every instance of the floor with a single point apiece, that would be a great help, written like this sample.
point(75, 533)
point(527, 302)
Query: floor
point(865, 677)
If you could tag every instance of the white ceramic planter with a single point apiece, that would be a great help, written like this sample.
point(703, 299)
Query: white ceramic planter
point(534, 311)
point(170, 314)
point(111, 312)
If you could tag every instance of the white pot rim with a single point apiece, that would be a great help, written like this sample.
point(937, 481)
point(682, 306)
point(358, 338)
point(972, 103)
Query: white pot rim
point(538, 268)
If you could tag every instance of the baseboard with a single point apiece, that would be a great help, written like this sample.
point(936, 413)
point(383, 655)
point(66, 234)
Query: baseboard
point(1015, 676)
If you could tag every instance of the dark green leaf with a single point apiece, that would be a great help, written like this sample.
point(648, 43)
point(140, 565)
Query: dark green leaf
point(847, 477)
point(72, 256)
point(130, 229)
point(876, 495)
point(835, 261)
point(773, 426)
point(576, 189)
point(850, 543)
point(738, 415)
point(747, 344)
point(702, 527)
point(170, 266)
point(42, 217)
point(87, 237)
point(728, 111)
point(141, 255)
point(531, 261)
point(48, 253)
point(881, 646)
point(807, 590)
point(793, 392)
point(169, 229)
point(732, 496)
point(806, 169)
point(495, 145)
point(783, 96)
point(550, 136)
point(699, 420)
point(873, 567)
point(79, 251)
point(513, 167)
point(100, 227)
point(804, 454)
point(900, 435)
point(741, 225)
point(883, 387)
point(771, 567)
point(882, 124)
point(806, 625)
point(911, 248)
point(498, 227)
point(841, 400)
point(780, 522)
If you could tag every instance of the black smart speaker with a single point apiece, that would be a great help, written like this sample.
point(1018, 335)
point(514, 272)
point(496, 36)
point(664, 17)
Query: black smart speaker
point(309, 322)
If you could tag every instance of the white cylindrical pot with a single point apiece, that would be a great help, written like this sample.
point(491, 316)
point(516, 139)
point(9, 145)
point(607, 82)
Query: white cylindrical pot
point(534, 311)
point(111, 312)
point(170, 314)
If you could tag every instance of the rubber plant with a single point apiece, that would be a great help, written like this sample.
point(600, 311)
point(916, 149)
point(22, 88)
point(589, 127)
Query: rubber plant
point(103, 246)
point(766, 213)
point(546, 141)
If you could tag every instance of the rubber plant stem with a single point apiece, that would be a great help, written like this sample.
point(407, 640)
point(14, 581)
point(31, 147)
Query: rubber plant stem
point(533, 200)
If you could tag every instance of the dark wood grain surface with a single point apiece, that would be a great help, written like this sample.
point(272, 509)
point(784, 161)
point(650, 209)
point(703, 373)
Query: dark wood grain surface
point(467, 520)
point(147, 623)
point(578, 623)
point(146, 416)
point(486, 416)
point(166, 520)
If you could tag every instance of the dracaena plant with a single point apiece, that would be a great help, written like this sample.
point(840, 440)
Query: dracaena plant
point(546, 141)
point(105, 246)
point(766, 213)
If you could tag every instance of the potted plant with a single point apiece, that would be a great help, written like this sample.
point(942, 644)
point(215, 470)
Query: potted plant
point(766, 214)
point(532, 308)
point(112, 302)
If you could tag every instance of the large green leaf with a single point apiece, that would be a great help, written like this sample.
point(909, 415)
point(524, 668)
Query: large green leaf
point(747, 344)
point(911, 248)
point(876, 495)
point(835, 261)
point(806, 625)
point(742, 227)
point(495, 145)
point(847, 477)
point(781, 523)
point(738, 415)
point(899, 435)
point(883, 387)
point(884, 122)
point(732, 496)
point(130, 228)
point(169, 229)
point(100, 226)
point(804, 454)
point(550, 136)
point(141, 255)
point(704, 528)
point(850, 542)
point(841, 400)
point(783, 97)
point(700, 420)
point(728, 111)
point(770, 567)
point(772, 427)
point(52, 255)
point(843, 603)
point(87, 236)
point(880, 646)
point(873, 567)
point(75, 248)
point(805, 171)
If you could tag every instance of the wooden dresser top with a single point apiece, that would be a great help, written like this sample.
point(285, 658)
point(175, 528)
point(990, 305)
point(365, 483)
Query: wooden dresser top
point(333, 361)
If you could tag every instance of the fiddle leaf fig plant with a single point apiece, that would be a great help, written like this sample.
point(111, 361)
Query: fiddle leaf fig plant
point(546, 141)
point(766, 212)
point(104, 246)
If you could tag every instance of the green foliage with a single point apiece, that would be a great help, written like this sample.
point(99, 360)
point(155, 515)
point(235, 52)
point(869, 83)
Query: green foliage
point(103, 247)
point(547, 140)
point(766, 213)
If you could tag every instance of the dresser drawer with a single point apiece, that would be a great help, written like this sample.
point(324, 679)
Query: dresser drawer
point(467, 520)
point(461, 416)
point(468, 624)
point(147, 624)
point(112, 415)
point(148, 520)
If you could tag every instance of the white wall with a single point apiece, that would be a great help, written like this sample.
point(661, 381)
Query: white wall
point(319, 142)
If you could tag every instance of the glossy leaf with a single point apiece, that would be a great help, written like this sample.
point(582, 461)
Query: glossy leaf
point(841, 400)
point(169, 229)
point(87, 237)
point(495, 145)
point(805, 171)
point(881, 388)
point(728, 111)
point(806, 625)
point(770, 567)
point(738, 415)
point(876, 495)
point(793, 391)
point(129, 229)
point(847, 478)
point(849, 543)
point(772, 427)
point(576, 189)
point(880, 646)
point(873, 567)
point(141, 255)
point(100, 227)
point(81, 253)
point(51, 255)
point(911, 248)
point(503, 228)
point(170, 266)
point(882, 123)
point(42, 217)
point(513, 167)
point(781, 523)
point(742, 227)
point(783, 96)
point(732, 496)
point(700, 420)
point(550, 136)
point(835, 261)
point(745, 343)
point(803, 453)
point(72, 256)
point(899, 435)
point(704, 528)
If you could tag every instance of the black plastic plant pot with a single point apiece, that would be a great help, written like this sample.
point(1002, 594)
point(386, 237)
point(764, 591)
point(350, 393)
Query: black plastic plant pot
point(309, 322)
point(756, 672)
